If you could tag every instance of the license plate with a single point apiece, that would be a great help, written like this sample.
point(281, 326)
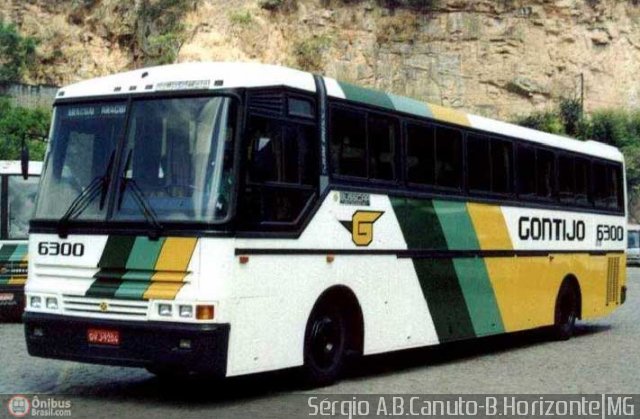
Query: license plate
point(6, 297)
point(103, 337)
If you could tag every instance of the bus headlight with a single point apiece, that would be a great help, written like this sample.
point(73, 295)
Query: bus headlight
point(35, 302)
point(186, 311)
point(52, 303)
point(164, 310)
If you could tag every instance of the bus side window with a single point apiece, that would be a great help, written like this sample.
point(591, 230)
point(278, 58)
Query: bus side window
point(448, 157)
point(566, 179)
point(545, 173)
point(526, 171)
point(583, 180)
point(382, 138)
point(600, 186)
point(421, 154)
point(479, 162)
point(280, 172)
point(348, 143)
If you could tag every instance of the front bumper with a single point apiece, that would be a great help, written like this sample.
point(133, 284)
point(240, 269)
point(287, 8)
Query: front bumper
point(14, 305)
point(142, 344)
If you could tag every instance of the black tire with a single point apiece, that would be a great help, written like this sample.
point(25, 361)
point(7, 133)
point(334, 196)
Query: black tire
point(566, 312)
point(325, 345)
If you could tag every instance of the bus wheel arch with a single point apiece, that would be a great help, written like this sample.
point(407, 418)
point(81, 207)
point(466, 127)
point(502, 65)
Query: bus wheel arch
point(568, 308)
point(335, 322)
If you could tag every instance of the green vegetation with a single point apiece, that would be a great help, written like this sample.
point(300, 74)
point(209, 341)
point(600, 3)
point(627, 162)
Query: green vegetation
point(16, 122)
point(309, 52)
point(240, 18)
point(163, 30)
point(616, 127)
point(17, 53)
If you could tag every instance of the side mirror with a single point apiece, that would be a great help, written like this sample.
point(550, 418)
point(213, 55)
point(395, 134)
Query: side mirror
point(24, 159)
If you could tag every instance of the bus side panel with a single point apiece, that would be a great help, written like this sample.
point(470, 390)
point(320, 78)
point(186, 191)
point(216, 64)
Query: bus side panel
point(274, 294)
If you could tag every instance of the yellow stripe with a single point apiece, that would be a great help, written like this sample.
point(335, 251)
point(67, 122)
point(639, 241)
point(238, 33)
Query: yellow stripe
point(165, 276)
point(449, 115)
point(175, 254)
point(17, 280)
point(491, 228)
point(163, 290)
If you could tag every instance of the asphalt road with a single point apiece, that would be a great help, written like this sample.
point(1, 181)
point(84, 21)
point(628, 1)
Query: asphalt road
point(602, 358)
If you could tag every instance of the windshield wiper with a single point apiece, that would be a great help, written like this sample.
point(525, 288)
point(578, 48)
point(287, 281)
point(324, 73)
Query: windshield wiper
point(141, 200)
point(99, 184)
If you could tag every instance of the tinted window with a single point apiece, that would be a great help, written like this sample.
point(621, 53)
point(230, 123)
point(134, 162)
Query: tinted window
point(448, 157)
point(420, 154)
point(526, 171)
point(545, 173)
point(301, 107)
point(479, 163)
point(348, 143)
point(582, 193)
point(600, 186)
point(566, 179)
point(281, 170)
point(501, 157)
point(382, 134)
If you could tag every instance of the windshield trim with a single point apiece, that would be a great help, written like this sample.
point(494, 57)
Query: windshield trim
point(111, 223)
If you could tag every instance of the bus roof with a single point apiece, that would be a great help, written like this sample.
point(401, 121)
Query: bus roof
point(13, 167)
point(226, 75)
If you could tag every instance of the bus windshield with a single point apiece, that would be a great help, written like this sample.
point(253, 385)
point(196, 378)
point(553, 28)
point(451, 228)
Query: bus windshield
point(176, 159)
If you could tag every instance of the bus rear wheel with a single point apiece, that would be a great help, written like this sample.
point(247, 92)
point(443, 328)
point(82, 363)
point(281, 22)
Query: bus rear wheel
point(325, 345)
point(566, 312)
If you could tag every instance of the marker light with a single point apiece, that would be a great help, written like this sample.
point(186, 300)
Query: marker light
point(204, 312)
point(186, 311)
point(52, 303)
point(164, 310)
point(36, 302)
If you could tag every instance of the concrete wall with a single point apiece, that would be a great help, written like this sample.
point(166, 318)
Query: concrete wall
point(29, 96)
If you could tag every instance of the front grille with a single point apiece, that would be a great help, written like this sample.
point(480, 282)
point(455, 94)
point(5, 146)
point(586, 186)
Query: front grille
point(104, 308)
point(613, 271)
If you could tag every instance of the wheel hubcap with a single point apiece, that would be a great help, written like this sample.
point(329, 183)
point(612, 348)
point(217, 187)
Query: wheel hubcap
point(325, 340)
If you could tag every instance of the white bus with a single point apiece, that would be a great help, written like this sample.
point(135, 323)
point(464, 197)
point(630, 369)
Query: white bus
point(17, 200)
point(233, 218)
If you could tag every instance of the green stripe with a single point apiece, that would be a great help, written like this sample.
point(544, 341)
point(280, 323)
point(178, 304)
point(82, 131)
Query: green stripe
point(444, 298)
point(456, 225)
point(479, 296)
point(140, 268)
point(411, 106)
point(19, 253)
point(6, 251)
point(438, 280)
point(116, 252)
point(472, 273)
point(144, 254)
point(112, 267)
point(132, 290)
point(371, 97)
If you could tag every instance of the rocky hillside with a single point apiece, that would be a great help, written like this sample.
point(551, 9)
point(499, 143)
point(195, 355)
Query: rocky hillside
point(493, 57)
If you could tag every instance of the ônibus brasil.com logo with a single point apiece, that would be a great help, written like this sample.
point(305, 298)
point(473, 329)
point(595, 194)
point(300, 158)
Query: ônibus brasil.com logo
point(19, 406)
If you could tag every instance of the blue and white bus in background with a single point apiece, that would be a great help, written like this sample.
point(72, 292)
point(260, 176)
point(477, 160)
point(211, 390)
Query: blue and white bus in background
point(17, 201)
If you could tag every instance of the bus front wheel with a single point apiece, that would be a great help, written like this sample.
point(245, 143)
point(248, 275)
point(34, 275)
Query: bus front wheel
point(566, 312)
point(325, 344)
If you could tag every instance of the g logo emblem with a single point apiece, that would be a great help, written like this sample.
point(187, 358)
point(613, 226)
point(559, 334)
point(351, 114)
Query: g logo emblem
point(104, 306)
point(361, 226)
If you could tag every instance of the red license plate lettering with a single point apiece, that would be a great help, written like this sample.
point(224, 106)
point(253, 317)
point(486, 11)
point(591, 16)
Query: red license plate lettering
point(103, 337)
